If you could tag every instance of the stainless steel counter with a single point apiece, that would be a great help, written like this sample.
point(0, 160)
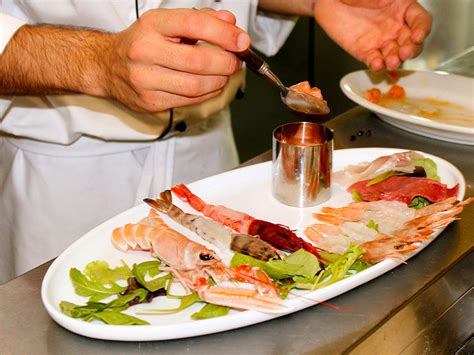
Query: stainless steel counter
point(424, 306)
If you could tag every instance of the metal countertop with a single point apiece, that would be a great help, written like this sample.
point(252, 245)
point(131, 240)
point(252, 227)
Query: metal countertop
point(424, 306)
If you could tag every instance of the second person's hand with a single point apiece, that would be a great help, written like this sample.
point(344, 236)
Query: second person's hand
point(381, 33)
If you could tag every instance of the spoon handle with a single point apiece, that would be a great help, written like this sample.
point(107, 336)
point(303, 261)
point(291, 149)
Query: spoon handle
point(252, 59)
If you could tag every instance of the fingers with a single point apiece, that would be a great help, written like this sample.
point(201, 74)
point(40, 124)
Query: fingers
point(419, 21)
point(194, 59)
point(200, 25)
point(390, 51)
point(375, 60)
point(157, 101)
point(224, 15)
point(158, 78)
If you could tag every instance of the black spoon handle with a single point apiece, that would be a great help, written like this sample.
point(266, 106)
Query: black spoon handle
point(253, 60)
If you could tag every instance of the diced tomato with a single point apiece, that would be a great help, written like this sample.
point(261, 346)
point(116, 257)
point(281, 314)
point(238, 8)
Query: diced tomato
point(373, 95)
point(302, 87)
point(316, 92)
point(396, 92)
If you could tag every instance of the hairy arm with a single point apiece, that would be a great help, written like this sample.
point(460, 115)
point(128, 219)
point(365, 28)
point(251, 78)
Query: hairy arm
point(51, 60)
point(289, 7)
point(146, 67)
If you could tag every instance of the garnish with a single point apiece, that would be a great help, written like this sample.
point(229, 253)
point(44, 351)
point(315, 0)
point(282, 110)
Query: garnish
point(419, 202)
point(429, 166)
point(356, 196)
point(373, 225)
point(211, 311)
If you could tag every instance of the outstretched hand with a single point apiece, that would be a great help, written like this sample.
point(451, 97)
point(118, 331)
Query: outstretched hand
point(381, 33)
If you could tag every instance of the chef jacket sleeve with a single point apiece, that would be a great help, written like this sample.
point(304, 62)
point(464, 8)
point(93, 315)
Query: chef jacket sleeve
point(9, 25)
point(269, 31)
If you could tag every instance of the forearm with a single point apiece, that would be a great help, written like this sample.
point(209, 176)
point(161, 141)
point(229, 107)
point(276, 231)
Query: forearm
point(288, 7)
point(51, 60)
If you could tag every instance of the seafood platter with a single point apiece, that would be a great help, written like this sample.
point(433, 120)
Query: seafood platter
point(432, 104)
point(222, 253)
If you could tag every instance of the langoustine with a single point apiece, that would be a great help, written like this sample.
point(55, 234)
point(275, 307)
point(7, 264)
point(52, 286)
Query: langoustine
point(193, 265)
point(385, 229)
point(215, 233)
point(281, 237)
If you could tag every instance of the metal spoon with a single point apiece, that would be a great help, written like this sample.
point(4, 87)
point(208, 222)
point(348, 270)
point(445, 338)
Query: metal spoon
point(295, 100)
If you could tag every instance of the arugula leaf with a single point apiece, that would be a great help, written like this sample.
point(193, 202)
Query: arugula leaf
point(383, 176)
point(151, 268)
point(429, 166)
point(137, 296)
point(186, 301)
point(339, 268)
point(99, 271)
point(419, 202)
point(373, 225)
point(356, 196)
point(116, 318)
point(95, 290)
point(84, 312)
point(211, 311)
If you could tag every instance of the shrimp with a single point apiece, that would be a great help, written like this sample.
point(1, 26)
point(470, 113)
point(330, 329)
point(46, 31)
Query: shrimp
point(280, 237)
point(394, 229)
point(388, 215)
point(214, 232)
point(193, 264)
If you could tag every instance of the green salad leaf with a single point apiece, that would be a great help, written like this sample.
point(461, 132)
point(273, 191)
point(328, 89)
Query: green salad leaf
point(211, 311)
point(117, 318)
point(356, 195)
point(338, 269)
point(300, 265)
point(373, 225)
point(99, 271)
point(383, 176)
point(429, 166)
point(241, 259)
point(419, 202)
point(151, 268)
point(93, 289)
point(186, 301)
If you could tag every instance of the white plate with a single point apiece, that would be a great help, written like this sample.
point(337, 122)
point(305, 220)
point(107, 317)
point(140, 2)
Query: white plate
point(418, 84)
point(246, 189)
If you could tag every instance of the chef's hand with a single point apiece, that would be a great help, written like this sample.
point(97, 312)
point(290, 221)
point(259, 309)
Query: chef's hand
point(381, 33)
point(150, 68)
point(145, 67)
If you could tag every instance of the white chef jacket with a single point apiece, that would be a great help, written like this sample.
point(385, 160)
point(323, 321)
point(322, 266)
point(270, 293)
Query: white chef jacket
point(69, 162)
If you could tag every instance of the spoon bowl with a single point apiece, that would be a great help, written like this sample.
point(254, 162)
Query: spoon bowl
point(295, 100)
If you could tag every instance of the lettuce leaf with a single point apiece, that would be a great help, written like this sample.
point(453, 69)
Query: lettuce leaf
point(356, 195)
point(301, 265)
point(384, 176)
point(93, 289)
point(338, 270)
point(152, 269)
point(419, 202)
point(429, 166)
point(117, 318)
point(211, 311)
point(99, 271)
point(186, 301)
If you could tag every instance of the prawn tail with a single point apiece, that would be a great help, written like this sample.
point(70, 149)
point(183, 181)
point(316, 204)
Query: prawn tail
point(186, 195)
point(160, 205)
